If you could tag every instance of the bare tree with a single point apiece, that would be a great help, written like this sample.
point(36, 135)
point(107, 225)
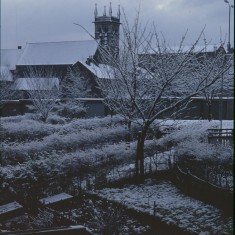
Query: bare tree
point(75, 85)
point(222, 87)
point(6, 91)
point(151, 80)
point(42, 86)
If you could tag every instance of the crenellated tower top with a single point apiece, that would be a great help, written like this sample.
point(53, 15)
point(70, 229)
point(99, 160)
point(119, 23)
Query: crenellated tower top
point(107, 29)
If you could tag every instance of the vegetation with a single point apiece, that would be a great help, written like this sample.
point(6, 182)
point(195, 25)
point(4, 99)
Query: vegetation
point(55, 156)
point(40, 158)
point(151, 80)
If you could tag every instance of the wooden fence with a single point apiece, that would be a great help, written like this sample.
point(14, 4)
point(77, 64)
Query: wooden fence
point(221, 136)
point(203, 190)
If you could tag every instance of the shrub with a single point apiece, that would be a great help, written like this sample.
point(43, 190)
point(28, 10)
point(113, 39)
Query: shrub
point(71, 109)
point(55, 119)
point(108, 220)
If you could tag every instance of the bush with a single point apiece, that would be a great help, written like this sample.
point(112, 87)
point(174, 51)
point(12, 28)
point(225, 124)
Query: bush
point(108, 220)
point(55, 119)
point(71, 109)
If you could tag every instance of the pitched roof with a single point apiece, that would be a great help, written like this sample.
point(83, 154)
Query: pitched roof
point(57, 53)
point(187, 48)
point(101, 71)
point(197, 48)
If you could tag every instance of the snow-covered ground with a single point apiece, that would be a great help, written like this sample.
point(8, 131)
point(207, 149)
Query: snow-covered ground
point(172, 207)
point(226, 124)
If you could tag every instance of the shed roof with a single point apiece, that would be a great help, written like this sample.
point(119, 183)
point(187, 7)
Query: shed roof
point(56, 198)
point(9, 207)
point(57, 53)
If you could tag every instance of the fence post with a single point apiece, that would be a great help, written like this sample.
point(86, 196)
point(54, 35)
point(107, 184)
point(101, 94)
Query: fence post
point(154, 208)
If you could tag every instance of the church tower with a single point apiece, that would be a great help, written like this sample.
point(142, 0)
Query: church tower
point(107, 30)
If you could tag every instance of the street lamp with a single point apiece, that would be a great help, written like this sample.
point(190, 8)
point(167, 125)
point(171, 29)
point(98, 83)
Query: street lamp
point(229, 7)
point(221, 103)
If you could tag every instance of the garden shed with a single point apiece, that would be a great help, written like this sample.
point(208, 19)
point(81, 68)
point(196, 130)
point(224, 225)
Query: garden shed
point(61, 199)
point(10, 210)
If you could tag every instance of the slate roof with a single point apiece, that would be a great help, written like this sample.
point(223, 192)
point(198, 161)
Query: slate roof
point(57, 53)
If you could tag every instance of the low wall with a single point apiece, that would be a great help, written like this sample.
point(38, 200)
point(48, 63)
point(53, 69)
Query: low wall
point(95, 107)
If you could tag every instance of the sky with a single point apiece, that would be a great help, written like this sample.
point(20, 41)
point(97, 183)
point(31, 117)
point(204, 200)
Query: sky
point(31, 21)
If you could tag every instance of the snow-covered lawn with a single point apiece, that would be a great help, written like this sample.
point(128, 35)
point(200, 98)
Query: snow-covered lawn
point(171, 206)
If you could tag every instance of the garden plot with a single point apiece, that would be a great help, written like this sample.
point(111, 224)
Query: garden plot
point(171, 206)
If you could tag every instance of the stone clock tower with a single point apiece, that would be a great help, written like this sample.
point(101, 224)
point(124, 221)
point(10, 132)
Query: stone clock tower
point(107, 30)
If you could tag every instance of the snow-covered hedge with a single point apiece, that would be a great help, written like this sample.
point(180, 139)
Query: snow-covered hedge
point(28, 127)
point(20, 152)
point(207, 161)
point(56, 171)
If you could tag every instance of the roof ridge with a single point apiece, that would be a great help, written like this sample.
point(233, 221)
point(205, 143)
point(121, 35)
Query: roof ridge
point(60, 41)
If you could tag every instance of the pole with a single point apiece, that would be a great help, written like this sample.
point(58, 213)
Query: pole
point(221, 102)
point(229, 46)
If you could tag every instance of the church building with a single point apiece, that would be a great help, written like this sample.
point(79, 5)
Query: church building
point(56, 58)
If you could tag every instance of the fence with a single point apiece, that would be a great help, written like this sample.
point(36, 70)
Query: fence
point(95, 107)
point(203, 190)
point(221, 136)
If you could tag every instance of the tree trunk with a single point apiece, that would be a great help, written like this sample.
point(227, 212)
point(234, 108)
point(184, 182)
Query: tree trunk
point(128, 138)
point(140, 156)
point(137, 160)
point(209, 112)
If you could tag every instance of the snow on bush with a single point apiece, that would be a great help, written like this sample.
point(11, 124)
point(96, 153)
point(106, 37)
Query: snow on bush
point(55, 119)
point(58, 169)
point(25, 129)
point(186, 130)
point(204, 151)
point(71, 110)
point(191, 139)
point(91, 124)
point(14, 152)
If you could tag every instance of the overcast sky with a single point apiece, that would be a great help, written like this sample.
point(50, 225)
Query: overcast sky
point(52, 20)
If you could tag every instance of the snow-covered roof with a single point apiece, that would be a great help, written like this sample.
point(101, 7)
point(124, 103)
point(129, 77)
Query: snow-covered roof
point(101, 71)
point(198, 48)
point(55, 198)
point(9, 58)
point(9, 207)
point(186, 48)
point(36, 83)
point(57, 53)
